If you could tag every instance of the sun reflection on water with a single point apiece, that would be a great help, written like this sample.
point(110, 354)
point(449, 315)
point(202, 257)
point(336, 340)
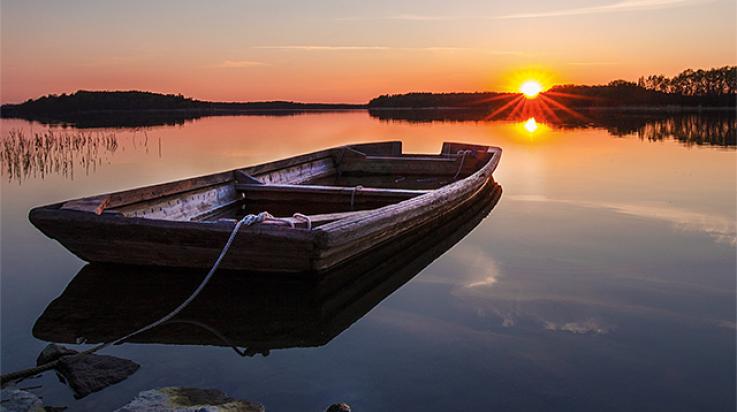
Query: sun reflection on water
point(531, 128)
point(531, 125)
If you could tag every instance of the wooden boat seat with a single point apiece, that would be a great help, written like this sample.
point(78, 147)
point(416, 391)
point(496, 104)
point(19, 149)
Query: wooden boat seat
point(332, 194)
point(408, 164)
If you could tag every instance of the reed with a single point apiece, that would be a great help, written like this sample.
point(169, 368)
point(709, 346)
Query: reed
point(50, 152)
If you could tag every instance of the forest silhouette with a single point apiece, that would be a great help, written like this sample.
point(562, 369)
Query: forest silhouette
point(713, 88)
point(691, 88)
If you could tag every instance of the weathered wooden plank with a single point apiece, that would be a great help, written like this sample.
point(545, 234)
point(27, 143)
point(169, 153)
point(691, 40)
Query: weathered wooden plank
point(392, 148)
point(152, 192)
point(417, 182)
point(349, 197)
point(126, 197)
point(289, 162)
point(184, 206)
point(118, 239)
point(241, 257)
point(288, 189)
point(300, 173)
point(231, 207)
point(67, 224)
point(440, 166)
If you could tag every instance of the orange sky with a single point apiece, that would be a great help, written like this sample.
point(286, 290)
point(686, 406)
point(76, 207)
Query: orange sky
point(341, 51)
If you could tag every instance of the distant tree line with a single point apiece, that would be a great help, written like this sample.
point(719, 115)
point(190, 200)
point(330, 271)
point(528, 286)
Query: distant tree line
point(713, 82)
point(96, 102)
point(83, 101)
point(709, 88)
point(440, 100)
point(622, 94)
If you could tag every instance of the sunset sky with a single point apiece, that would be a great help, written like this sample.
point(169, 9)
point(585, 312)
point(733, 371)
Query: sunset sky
point(351, 51)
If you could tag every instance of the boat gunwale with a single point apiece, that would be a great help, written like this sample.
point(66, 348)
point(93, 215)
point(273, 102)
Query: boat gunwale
point(222, 178)
point(423, 199)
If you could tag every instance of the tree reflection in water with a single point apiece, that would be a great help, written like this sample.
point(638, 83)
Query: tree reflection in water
point(708, 128)
point(692, 130)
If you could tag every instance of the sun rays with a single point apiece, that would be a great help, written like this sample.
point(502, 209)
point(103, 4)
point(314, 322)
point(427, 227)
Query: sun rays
point(534, 104)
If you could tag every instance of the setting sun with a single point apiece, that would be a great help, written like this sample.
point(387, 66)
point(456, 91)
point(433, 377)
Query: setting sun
point(530, 88)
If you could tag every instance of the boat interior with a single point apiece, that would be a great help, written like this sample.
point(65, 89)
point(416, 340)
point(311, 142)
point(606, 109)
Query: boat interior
point(326, 186)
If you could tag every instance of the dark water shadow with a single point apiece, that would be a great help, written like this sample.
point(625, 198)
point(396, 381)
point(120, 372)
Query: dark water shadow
point(253, 311)
point(701, 128)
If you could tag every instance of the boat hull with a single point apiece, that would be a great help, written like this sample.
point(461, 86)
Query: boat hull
point(110, 236)
point(139, 241)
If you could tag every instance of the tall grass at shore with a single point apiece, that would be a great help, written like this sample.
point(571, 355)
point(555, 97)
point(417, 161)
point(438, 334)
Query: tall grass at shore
point(40, 154)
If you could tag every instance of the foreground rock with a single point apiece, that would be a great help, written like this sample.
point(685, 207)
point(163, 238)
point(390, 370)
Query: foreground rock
point(53, 352)
point(188, 400)
point(16, 400)
point(86, 373)
point(339, 407)
point(91, 373)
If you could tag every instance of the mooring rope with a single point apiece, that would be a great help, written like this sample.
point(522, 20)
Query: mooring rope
point(463, 154)
point(242, 352)
point(353, 195)
point(306, 219)
point(247, 220)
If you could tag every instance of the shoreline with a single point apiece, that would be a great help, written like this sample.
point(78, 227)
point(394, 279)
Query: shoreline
point(673, 109)
point(218, 111)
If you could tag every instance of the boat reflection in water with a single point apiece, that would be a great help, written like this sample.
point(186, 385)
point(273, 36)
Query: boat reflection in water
point(251, 311)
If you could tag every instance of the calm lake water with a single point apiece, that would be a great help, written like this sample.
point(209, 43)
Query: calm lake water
point(604, 279)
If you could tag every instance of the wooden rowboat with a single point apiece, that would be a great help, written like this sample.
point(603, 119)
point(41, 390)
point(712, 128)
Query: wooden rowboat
point(259, 312)
point(354, 199)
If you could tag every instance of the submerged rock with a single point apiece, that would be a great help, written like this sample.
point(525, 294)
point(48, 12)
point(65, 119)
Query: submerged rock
point(339, 407)
point(188, 400)
point(87, 373)
point(53, 352)
point(16, 400)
